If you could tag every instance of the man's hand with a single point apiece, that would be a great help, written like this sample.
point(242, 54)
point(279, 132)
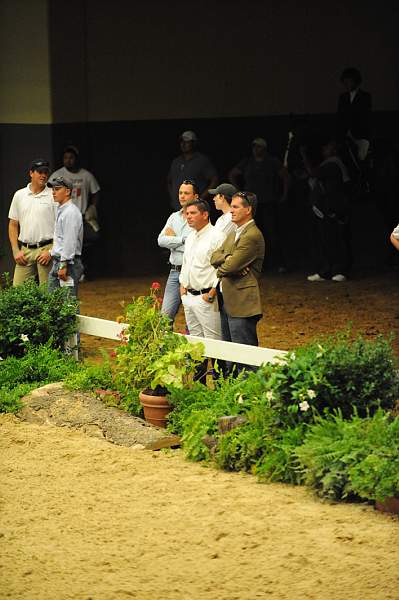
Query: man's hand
point(169, 231)
point(44, 258)
point(62, 274)
point(20, 259)
point(209, 296)
point(183, 291)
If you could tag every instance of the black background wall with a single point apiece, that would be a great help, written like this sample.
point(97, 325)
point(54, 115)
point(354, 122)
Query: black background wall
point(130, 77)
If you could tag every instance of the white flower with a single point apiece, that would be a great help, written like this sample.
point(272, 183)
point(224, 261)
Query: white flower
point(24, 338)
point(293, 356)
point(304, 406)
point(269, 395)
point(311, 394)
point(240, 399)
point(319, 354)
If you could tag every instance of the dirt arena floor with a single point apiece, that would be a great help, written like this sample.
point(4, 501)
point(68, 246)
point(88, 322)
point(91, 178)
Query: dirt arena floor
point(295, 310)
point(84, 519)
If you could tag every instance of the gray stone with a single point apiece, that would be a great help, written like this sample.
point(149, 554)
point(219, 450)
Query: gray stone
point(53, 404)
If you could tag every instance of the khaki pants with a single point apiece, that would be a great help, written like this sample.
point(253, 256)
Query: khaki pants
point(33, 268)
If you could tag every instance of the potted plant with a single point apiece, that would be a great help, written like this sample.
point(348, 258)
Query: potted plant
point(150, 357)
point(174, 369)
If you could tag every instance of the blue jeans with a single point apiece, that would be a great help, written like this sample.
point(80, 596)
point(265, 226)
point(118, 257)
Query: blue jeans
point(171, 298)
point(241, 330)
point(74, 270)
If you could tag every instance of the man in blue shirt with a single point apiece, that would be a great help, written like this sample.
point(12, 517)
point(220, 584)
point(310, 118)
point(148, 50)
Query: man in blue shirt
point(173, 237)
point(68, 237)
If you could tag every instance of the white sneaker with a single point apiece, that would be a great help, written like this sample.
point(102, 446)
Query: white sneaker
point(315, 277)
point(82, 278)
point(338, 277)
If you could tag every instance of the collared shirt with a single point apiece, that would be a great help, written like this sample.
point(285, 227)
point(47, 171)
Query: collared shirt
point(241, 229)
point(68, 232)
point(224, 224)
point(197, 272)
point(35, 214)
point(175, 243)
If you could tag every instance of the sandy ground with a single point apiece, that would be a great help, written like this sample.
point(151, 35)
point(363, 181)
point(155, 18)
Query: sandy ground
point(84, 519)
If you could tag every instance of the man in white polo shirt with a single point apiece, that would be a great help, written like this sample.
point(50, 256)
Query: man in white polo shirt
point(198, 279)
point(31, 226)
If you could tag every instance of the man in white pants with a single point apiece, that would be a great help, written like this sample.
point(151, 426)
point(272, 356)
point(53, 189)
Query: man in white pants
point(198, 278)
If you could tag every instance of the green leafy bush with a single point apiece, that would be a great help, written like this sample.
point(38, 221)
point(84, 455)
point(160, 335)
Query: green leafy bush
point(341, 459)
point(90, 377)
point(334, 373)
point(29, 313)
point(39, 366)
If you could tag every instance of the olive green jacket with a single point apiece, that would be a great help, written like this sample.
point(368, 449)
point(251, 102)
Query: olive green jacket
point(241, 294)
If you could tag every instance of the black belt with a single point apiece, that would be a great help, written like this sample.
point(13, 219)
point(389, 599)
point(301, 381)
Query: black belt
point(38, 245)
point(175, 267)
point(198, 292)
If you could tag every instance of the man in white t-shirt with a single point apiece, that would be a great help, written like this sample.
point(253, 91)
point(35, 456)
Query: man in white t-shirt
point(222, 196)
point(31, 226)
point(85, 195)
point(85, 186)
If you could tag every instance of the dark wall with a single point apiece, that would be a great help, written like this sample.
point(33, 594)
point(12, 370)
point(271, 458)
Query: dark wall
point(131, 161)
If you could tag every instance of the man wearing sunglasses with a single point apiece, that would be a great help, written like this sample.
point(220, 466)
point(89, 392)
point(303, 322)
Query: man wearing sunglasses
point(239, 265)
point(31, 226)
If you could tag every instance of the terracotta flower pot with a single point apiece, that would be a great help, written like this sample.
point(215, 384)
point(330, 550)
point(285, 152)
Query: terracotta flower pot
point(156, 409)
point(390, 505)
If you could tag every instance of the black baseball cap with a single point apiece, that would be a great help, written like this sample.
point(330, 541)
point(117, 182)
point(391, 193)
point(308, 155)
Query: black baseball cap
point(39, 164)
point(60, 182)
point(225, 189)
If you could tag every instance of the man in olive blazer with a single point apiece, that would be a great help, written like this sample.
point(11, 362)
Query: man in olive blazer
point(239, 263)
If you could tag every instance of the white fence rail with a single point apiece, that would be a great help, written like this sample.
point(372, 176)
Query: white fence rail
point(248, 355)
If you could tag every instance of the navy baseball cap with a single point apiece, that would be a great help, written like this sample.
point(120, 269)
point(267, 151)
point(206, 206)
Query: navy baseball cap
point(39, 164)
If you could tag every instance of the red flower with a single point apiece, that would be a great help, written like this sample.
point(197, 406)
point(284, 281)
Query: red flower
point(155, 285)
point(112, 354)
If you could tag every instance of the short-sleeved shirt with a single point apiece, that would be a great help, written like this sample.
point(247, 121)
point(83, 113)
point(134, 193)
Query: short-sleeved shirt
point(84, 184)
point(198, 167)
point(35, 214)
point(261, 177)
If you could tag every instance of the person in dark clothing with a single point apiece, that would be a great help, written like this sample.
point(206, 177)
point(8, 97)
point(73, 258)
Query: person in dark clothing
point(328, 183)
point(354, 113)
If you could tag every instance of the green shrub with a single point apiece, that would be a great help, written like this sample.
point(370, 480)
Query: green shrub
point(342, 459)
point(29, 313)
point(334, 373)
point(10, 398)
point(90, 377)
point(39, 366)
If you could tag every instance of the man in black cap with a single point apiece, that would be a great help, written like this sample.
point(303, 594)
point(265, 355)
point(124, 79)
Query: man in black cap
point(222, 196)
point(190, 164)
point(68, 238)
point(31, 225)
